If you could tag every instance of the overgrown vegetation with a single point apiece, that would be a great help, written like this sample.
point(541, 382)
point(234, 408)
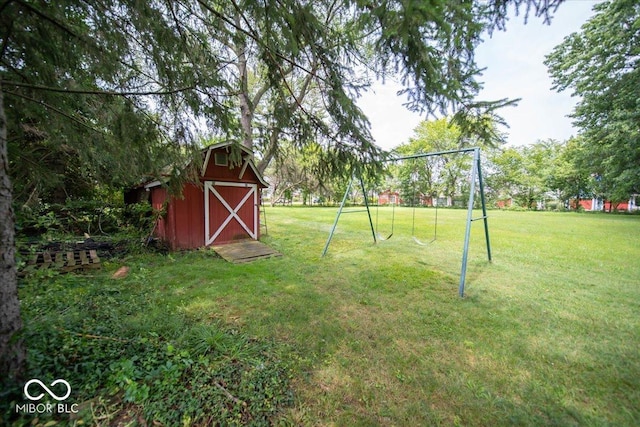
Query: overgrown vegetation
point(132, 351)
point(80, 217)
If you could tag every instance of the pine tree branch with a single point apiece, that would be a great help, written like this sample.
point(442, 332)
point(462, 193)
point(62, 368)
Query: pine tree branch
point(5, 39)
point(254, 37)
point(95, 92)
point(51, 19)
point(55, 110)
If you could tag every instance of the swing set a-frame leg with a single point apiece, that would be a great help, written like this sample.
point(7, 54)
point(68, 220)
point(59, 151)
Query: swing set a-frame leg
point(340, 212)
point(475, 172)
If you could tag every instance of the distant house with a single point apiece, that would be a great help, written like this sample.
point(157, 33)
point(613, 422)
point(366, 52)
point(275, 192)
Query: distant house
point(389, 197)
point(598, 204)
point(223, 207)
point(426, 200)
point(504, 203)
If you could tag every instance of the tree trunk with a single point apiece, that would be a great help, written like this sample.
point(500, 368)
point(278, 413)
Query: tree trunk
point(246, 109)
point(274, 136)
point(12, 352)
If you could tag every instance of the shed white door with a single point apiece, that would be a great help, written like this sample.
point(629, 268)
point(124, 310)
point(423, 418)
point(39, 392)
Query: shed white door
point(230, 211)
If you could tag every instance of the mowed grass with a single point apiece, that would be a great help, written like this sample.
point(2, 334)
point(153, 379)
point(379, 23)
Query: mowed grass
point(548, 333)
point(376, 334)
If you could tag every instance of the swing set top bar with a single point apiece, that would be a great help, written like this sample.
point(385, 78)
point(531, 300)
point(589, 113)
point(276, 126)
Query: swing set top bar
point(435, 153)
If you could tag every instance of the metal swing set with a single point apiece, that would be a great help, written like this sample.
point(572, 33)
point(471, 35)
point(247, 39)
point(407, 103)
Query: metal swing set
point(476, 176)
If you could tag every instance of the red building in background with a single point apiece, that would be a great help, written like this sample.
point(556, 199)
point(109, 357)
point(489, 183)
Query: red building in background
point(389, 197)
point(597, 204)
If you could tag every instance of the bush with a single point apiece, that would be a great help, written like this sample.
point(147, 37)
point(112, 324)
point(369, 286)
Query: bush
point(79, 217)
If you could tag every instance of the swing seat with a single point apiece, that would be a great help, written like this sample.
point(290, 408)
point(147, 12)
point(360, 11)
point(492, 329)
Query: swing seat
point(415, 239)
point(393, 221)
point(382, 238)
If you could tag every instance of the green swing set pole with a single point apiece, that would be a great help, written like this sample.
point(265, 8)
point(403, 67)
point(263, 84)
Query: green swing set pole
point(467, 233)
point(475, 172)
point(335, 223)
point(366, 204)
point(344, 201)
point(484, 209)
point(432, 154)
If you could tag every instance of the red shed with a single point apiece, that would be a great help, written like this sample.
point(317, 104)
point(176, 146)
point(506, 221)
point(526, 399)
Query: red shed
point(225, 207)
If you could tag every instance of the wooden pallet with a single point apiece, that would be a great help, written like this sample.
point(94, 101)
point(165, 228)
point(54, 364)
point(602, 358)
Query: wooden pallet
point(63, 261)
point(245, 251)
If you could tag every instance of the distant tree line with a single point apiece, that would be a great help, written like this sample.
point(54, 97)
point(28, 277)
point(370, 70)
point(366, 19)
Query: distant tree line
point(546, 174)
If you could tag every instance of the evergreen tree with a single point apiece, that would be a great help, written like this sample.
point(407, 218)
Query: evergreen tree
point(91, 92)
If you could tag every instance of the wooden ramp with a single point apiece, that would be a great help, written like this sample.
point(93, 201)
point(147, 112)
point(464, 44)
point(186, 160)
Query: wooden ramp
point(245, 251)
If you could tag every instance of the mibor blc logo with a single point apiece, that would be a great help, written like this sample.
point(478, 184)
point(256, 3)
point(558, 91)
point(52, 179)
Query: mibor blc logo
point(45, 388)
point(35, 390)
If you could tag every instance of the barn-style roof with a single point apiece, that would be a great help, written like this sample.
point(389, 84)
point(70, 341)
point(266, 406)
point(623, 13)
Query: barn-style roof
point(247, 160)
point(247, 163)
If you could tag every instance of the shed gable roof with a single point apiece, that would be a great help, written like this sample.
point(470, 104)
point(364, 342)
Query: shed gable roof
point(247, 161)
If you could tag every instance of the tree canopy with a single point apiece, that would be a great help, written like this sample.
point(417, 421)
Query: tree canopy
point(525, 173)
point(601, 64)
point(101, 92)
point(438, 175)
point(240, 69)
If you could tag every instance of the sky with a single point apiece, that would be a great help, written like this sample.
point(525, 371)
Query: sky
point(514, 69)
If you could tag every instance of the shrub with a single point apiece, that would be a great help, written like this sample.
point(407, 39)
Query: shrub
point(78, 217)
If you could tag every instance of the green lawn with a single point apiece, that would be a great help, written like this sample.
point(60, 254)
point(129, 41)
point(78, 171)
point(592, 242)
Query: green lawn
point(547, 334)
